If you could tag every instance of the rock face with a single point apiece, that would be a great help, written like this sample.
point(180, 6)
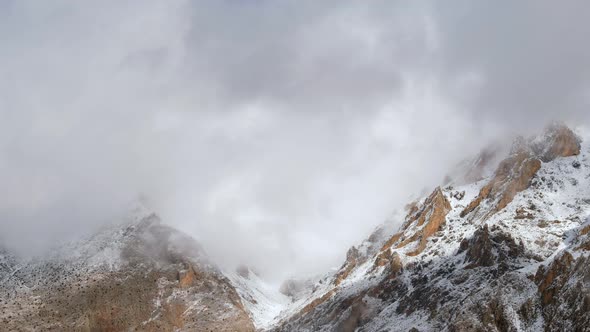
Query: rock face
point(353, 259)
point(553, 278)
point(391, 261)
point(557, 141)
point(563, 288)
point(513, 175)
point(421, 223)
point(141, 277)
point(487, 248)
point(516, 257)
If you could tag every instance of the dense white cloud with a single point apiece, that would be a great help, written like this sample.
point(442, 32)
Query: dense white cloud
point(277, 133)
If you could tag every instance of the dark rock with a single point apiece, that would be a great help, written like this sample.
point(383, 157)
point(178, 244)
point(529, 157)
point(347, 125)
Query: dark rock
point(487, 249)
point(576, 164)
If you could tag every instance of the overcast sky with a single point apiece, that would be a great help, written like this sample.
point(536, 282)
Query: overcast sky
point(278, 133)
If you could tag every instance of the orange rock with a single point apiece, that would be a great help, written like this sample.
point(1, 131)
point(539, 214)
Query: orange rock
point(389, 259)
point(431, 215)
point(352, 260)
point(561, 142)
point(187, 278)
point(437, 209)
point(383, 258)
point(391, 241)
point(513, 175)
point(585, 243)
point(395, 264)
point(584, 246)
point(313, 304)
point(551, 281)
point(483, 193)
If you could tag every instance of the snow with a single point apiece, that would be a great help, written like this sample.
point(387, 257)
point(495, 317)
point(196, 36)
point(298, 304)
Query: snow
point(262, 300)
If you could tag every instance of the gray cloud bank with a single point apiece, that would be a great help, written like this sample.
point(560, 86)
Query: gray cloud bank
point(278, 133)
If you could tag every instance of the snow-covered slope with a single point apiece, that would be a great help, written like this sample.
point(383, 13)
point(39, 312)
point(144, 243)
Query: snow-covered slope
point(138, 276)
point(262, 300)
point(508, 252)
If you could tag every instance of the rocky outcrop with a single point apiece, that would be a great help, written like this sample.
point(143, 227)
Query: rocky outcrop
point(551, 279)
point(513, 175)
point(487, 248)
point(557, 141)
point(421, 223)
point(353, 258)
point(392, 240)
point(187, 277)
point(431, 216)
point(434, 208)
point(583, 238)
point(479, 249)
point(391, 260)
point(564, 289)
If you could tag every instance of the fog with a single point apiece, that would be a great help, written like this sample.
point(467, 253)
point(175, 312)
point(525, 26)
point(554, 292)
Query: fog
point(279, 133)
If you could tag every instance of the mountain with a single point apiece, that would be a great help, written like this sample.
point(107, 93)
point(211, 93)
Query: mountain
point(508, 252)
point(142, 276)
point(502, 245)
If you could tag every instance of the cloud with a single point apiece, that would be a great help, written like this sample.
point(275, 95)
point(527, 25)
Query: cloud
point(277, 133)
point(531, 58)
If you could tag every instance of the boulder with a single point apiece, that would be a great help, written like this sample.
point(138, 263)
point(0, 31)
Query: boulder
point(557, 141)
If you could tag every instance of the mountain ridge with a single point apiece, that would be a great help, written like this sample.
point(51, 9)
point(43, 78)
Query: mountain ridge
point(490, 250)
point(419, 286)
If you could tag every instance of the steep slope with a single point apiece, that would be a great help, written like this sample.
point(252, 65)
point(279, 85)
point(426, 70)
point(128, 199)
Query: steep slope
point(143, 276)
point(506, 253)
point(261, 300)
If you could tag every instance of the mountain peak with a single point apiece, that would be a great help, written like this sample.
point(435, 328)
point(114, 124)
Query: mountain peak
point(141, 276)
point(557, 140)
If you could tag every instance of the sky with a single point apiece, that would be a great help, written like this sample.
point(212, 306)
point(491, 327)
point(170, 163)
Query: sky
point(277, 133)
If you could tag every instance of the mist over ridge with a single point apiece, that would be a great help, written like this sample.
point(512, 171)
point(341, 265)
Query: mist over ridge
point(276, 134)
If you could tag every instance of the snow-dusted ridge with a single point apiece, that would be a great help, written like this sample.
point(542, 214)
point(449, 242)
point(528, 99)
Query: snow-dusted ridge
point(539, 226)
point(523, 267)
point(139, 275)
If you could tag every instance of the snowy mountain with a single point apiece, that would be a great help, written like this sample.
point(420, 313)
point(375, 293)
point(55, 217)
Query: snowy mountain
point(142, 276)
point(506, 253)
point(502, 245)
